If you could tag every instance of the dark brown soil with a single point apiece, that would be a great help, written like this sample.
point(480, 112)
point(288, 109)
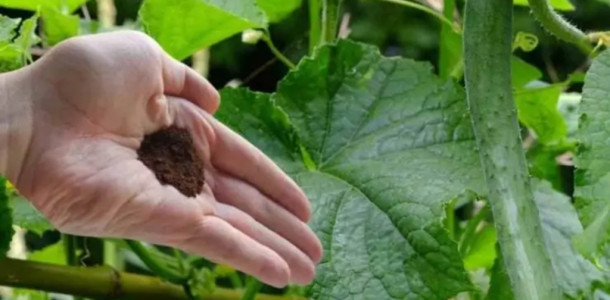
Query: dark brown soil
point(171, 155)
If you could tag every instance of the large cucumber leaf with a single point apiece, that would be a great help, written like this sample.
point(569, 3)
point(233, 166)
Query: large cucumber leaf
point(387, 144)
point(185, 26)
point(6, 223)
point(576, 275)
point(592, 160)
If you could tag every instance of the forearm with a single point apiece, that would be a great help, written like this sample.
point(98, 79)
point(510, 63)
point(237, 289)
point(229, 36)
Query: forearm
point(15, 122)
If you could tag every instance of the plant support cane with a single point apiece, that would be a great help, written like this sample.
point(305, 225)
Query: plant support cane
point(487, 50)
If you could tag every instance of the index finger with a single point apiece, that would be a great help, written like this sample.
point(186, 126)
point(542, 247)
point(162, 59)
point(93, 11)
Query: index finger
point(237, 157)
point(181, 81)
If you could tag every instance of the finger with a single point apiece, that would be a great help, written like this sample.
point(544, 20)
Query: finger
point(221, 243)
point(189, 224)
point(249, 200)
point(235, 156)
point(181, 81)
point(302, 269)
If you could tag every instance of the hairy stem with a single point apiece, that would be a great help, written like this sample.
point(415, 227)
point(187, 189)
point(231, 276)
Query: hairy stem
point(556, 25)
point(330, 20)
point(102, 283)
point(315, 24)
point(487, 53)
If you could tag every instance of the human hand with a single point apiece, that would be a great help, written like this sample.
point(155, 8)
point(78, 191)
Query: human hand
point(93, 99)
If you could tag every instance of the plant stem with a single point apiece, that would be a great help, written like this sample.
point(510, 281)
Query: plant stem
point(449, 55)
point(330, 20)
point(153, 264)
point(252, 288)
point(315, 25)
point(267, 38)
point(201, 62)
point(556, 25)
point(102, 283)
point(427, 10)
point(70, 249)
point(236, 281)
point(487, 53)
point(106, 12)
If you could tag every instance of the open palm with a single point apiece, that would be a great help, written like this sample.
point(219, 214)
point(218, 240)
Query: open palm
point(95, 99)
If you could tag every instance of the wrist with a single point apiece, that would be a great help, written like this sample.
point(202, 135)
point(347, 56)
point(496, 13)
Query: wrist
point(16, 121)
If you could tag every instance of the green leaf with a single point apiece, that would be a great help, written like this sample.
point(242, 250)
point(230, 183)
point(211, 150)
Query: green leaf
point(10, 57)
point(6, 223)
point(53, 254)
point(27, 38)
point(482, 250)
point(386, 144)
point(576, 275)
point(27, 217)
point(34, 5)
point(7, 28)
point(183, 27)
point(537, 109)
point(564, 5)
point(542, 162)
point(58, 26)
point(13, 55)
point(499, 287)
point(592, 159)
point(523, 73)
point(277, 10)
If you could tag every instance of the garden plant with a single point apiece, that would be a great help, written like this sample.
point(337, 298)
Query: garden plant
point(469, 174)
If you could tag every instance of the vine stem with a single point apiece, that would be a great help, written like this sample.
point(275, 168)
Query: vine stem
point(315, 24)
point(267, 39)
point(487, 54)
point(427, 10)
point(330, 20)
point(252, 288)
point(558, 26)
point(106, 12)
point(153, 264)
point(103, 283)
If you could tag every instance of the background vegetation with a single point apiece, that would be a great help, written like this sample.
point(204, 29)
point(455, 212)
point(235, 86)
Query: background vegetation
point(547, 82)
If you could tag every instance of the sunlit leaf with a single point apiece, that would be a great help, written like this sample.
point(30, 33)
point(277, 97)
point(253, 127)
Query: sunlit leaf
point(185, 26)
point(34, 5)
point(564, 5)
point(537, 109)
point(58, 26)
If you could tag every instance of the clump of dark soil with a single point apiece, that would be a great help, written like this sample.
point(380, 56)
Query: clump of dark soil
point(171, 155)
